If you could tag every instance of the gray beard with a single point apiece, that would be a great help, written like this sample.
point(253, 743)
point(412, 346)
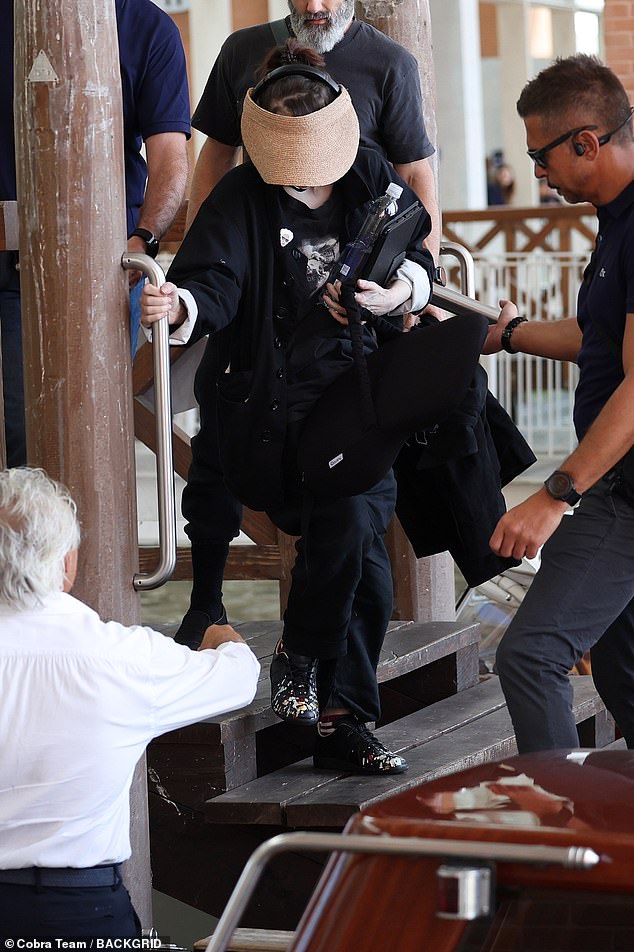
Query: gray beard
point(322, 38)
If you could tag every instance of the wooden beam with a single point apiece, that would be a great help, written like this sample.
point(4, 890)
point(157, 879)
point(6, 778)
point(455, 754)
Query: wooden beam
point(77, 376)
point(245, 562)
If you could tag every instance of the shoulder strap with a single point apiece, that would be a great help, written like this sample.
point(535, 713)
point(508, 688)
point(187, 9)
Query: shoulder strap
point(358, 353)
point(280, 31)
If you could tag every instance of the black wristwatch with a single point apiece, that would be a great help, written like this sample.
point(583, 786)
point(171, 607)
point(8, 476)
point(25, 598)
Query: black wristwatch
point(560, 486)
point(507, 333)
point(151, 241)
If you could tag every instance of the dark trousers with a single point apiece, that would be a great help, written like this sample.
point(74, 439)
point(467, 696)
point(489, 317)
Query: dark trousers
point(53, 912)
point(581, 599)
point(12, 378)
point(341, 598)
point(340, 601)
point(213, 514)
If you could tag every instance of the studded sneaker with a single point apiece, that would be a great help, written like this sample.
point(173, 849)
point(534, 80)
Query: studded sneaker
point(294, 686)
point(351, 746)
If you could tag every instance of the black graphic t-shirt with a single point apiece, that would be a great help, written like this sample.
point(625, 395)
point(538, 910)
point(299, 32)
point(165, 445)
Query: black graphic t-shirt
point(313, 234)
point(319, 349)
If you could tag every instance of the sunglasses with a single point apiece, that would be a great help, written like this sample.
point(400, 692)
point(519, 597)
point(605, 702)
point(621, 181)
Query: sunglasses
point(537, 155)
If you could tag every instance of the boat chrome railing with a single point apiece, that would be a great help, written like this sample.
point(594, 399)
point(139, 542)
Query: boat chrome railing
point(571, 857)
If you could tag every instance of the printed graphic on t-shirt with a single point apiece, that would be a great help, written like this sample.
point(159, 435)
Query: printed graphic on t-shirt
point(321, 254)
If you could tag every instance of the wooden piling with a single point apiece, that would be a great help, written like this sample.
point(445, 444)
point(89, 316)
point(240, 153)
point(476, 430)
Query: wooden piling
point(71, 201)
point(424, 588)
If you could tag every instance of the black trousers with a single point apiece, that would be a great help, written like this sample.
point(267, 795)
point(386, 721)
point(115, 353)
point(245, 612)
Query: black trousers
point(581, 599)
point(54, 912)
point(341, 596)
point(213, 514)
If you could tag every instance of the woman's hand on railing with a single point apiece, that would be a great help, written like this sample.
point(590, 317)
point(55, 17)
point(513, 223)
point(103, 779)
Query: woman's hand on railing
point(157, 303)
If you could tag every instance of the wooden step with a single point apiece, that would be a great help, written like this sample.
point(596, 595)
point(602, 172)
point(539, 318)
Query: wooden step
point(616, 745)
point(253, 940)
point(470, 728)
point(419, 664)
point(408, 646)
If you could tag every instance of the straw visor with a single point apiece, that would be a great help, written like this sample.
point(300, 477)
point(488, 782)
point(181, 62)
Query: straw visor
point(317, 149)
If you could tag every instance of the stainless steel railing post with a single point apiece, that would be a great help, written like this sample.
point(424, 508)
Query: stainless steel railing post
point(163, 422)
point(445, 297)
point(466, 264)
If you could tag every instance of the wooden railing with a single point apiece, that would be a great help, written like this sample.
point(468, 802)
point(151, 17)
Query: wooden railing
point(508, 229)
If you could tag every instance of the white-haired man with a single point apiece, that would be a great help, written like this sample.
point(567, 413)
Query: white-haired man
point(80, 700)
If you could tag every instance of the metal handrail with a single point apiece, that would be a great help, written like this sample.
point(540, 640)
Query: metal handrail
point(163, 430)
point(465, 302)
point(458, 303)
point(572, 857)
point(466, 264)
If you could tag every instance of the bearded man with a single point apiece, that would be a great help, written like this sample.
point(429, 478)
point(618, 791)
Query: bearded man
point(383, 81)
point(381, 77)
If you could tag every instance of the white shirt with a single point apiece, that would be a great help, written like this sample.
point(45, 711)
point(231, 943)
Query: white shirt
point(79, 701)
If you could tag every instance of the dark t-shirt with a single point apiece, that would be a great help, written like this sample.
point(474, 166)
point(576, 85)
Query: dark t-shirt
point(320, 348)
point(315, 233)
point(380, 75)
point(154, 91)
point(605, 297)
point(154, 86)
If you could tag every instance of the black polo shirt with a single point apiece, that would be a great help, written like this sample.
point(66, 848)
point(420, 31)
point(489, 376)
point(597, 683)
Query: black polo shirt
point(605, 297)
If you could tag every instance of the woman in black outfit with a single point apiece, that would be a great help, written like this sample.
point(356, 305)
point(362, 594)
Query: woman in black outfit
point(252, 272)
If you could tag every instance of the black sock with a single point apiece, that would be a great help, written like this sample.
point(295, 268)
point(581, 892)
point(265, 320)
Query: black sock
point(208, 566)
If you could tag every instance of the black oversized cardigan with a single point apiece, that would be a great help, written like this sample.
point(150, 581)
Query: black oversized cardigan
point(232, 262)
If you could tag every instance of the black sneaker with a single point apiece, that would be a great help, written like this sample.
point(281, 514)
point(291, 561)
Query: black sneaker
point(194, 625)
point(351, 746)
point(294, 686)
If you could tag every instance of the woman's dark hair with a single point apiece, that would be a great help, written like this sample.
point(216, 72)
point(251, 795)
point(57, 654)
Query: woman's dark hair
point(293, 95)
point(572, 86)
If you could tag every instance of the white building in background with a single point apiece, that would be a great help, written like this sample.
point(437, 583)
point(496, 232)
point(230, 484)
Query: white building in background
point(484, 52)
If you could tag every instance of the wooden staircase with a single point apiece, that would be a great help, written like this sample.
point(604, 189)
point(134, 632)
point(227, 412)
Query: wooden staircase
point(221, 787)
point(450, 735)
